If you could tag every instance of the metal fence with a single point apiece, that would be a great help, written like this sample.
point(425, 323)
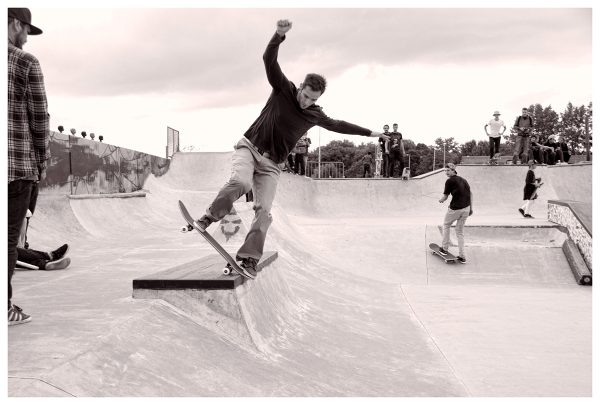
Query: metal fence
point(329, 170)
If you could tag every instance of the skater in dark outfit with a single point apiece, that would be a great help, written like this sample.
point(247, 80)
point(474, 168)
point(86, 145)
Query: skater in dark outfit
point(396, 152)
point(532, 183)
point(289, 112)
point(28, 136)
point(461, 208)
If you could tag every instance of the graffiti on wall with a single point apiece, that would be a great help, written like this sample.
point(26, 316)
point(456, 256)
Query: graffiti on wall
point(84, 166)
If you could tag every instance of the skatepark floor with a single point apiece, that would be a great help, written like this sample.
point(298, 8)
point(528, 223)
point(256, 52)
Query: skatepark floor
point(354, 305)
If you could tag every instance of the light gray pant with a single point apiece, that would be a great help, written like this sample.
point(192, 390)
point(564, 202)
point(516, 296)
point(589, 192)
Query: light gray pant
point(521, 150)
point(250, 171)
point(460, 216)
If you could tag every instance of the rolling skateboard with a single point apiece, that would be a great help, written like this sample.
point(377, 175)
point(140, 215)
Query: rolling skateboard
point(435, 249)
point(232, 266)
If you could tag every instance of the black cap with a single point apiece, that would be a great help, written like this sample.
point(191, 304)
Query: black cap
point(24, 15)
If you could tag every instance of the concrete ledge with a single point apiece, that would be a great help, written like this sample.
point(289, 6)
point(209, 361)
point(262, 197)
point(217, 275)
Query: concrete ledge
point(578, 267)
point(108, 195)
point(582, 212)
point(202, 274)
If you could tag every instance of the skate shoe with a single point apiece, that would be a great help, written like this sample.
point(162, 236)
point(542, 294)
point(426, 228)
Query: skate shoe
point(17, 316)
point(58, 264)
point(204, 222)
point(249, 264)
point(59, 253)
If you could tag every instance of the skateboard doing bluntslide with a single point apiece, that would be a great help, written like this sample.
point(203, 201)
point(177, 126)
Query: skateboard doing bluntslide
point(232, 265)
point(448, 258)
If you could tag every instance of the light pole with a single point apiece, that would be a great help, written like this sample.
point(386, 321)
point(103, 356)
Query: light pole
point(73, 132)
point(587, 134)
point(319, 165)
point(444, 161)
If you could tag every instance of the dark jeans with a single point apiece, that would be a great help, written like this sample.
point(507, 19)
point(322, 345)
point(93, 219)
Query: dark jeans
point(540, 155)
point(299, 165)
point(34, 257)
point(494, 146)
point(554, 156)
point(19, 195)
point(290, 160)
point(396, 156)
point(366, 169)
point(385, 163)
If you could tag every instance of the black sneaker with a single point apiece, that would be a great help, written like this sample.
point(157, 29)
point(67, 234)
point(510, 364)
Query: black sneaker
point(522, 211)
point(17, 316)
point(249, 264)
point(204, 222)
point(59, 253)
point(528, 216)
point(443, 252)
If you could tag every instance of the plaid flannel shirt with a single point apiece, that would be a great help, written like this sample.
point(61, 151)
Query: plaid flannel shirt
point(28, 119)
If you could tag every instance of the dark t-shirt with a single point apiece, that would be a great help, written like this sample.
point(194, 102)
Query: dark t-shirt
point(282, 122)
point(460, 190)
point(395, 138)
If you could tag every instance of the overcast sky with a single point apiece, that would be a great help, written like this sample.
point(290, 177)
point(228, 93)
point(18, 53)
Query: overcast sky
point(129, 73)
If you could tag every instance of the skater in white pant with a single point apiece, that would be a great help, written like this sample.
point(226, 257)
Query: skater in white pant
point(532, 183)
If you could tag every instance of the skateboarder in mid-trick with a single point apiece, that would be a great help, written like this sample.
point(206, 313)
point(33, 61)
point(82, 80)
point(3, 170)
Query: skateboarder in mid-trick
point(461, 207)
point(289, 112)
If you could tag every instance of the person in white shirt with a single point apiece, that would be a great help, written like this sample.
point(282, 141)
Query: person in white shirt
point(495, 124)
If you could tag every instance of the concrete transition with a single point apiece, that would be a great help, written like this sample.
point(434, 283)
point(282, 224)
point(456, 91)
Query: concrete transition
point(349, 301)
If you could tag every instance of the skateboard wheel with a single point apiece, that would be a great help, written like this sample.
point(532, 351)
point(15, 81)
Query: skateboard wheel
point(227, 271)
point(184, 229)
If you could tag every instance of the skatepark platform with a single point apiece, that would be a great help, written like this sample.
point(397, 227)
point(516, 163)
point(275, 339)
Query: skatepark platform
point(353, 306)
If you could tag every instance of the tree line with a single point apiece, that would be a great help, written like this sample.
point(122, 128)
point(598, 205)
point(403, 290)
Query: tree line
point(570, 124)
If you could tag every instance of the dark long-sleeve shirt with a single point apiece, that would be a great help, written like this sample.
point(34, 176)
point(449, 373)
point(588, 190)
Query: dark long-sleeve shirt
point(28, 119)
point(282, 121)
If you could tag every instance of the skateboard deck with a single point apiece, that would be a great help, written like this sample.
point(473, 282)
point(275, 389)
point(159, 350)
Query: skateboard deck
point(231, 263)
point(435, 249)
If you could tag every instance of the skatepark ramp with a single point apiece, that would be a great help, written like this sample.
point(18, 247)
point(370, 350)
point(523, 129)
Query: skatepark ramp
point(353, 305)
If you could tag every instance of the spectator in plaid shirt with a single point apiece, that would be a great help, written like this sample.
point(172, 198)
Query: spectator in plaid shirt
point(28, 136)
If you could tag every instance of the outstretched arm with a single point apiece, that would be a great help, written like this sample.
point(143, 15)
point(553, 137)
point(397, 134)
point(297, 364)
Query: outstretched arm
point(274, 74)
point(343, 127)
